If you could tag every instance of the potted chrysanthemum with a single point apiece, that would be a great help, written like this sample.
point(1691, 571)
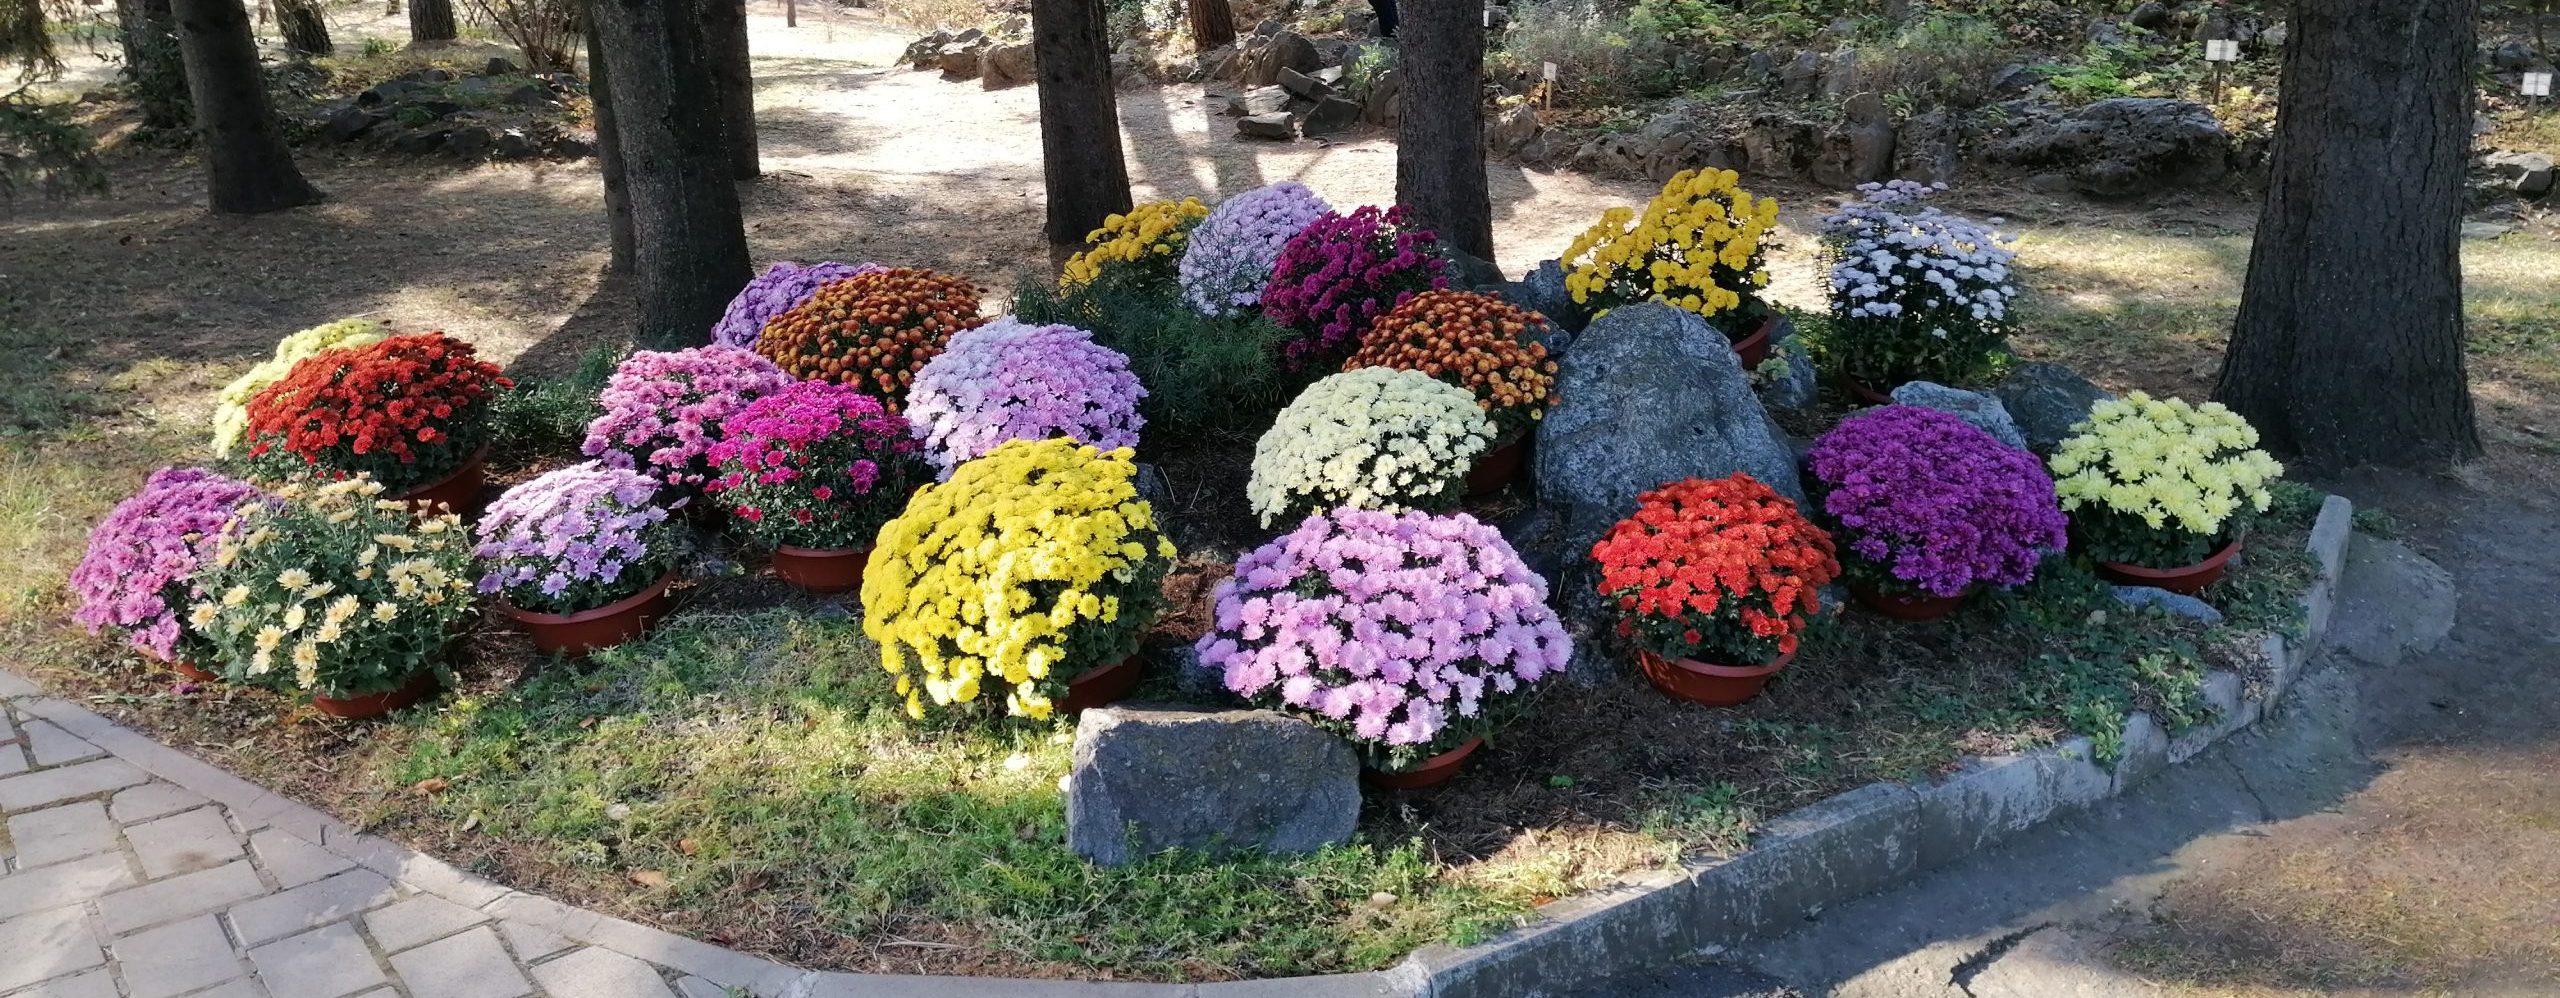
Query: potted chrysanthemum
point(662, 410)
point(1410, 634)
point(338, 592)
point(813, 471)
point(781, 288)
point(580, 557)
point(873, 330)
point(1008, 380)
point(1698, 245)
point(1713, 580)
point(1927, 508)
point(1917, 293)
point(1138, 251)
point(1228, 258)
point(231, 405)
point(1339, 274)
point(1027, 579)
point(411, 412)
point(1374, 438)
point(138, 575)
point(1485, 345)
point(2161, 492)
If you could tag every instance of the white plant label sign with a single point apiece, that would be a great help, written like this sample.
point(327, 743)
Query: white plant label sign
point(1549, 69)
point(2537, 84)
point(2221, 50)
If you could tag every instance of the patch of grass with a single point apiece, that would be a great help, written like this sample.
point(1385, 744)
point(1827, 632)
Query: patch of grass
point(546, 417)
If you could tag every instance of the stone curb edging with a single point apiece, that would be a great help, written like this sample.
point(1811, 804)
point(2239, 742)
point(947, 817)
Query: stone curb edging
point(1848, 846)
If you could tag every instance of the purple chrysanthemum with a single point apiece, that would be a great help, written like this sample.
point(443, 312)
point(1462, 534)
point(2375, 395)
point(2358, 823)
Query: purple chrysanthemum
point(1933, 501)
point(136, 575)
point(779, 289)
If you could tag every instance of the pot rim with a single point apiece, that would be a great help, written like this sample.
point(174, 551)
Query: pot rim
point(478, 459)
point(652, 591)
point(1720, 671)
point(797, 551)
point(2212, 561)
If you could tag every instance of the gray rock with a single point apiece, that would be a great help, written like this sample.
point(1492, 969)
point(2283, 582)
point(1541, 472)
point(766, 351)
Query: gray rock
point(1796, 82)
point(1840, 74)
point(1757, 69)
point(1198, 683)
point(1859, 150)
point(429, 75)
point(1786, 381)
point(2125, 146)
point(1780, 146)
point(515, 144)
point(2180, 604)
point(1005, 66)
point(1332, 115)
point(2512, 55)
point(1537, 535)
point(1552, 149)
point(1259, 100)
point(347, 123)
point(1543, 291)
point(2151, 15)
point(566, 147)
point(1467, 270)
point(1386, 100)
point(1266, 126)
point(1303, 86)
point(1511, 130)
point(1291, 50)
point(972, 36)
point(960, 61)
point(1144, 781)
point(472, 141)
point(926, 52)
point(2531, 171)
point(1650, 394)
point(1929, 148)
point(498, 66)
point(2049, 183)
point(2044, 400)
point(392, 92)
point(532, 95)
point(2276, 35)
point(1017, 26)
point(2105, 32)
point(476, 88)
point(420, 141)
point(1983, 411)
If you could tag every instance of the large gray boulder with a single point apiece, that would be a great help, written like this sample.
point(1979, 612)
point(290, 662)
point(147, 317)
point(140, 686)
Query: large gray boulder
point(2125, 146)
point(1983, 411)
point(1649, 395)
point(2045, 400)
point(1145, 781)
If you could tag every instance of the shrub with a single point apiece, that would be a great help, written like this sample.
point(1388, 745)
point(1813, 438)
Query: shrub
point(815, 465)
point(1917, 294)
point(2161, 483)
point(1717, 570)
point(1926, 502)
point(1474, 341)
point(1229, 257)
point(354, 594)
point(1199, 372)
point(662, 409)
point(543, 421)
point(873, 331)
point(1140, 249)
point(1402, 632)
point(1337, 275)
point(576, 539)
point(1698, 245)
point(405, 411)
point(231, 405)
point(1009, 381)
point(1601, 58)
point(138, 573)
point(1371, 438)
point(1943, 60)
point(781, 288)
point(1031, 565)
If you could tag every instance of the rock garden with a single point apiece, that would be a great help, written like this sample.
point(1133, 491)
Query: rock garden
point(1277, 592)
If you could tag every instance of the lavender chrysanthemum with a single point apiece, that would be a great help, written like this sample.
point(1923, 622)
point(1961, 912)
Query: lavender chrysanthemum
point(1230, 256)
point(136, 574)
point(778, 290)
point(1010, 381)
point(574, 539)
point(1934, 501)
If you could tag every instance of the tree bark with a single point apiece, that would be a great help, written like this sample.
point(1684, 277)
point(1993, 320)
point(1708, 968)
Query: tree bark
point(152, 63)
point(247, 167)
point(1085, 172)
point(1440, 140)
point(305, 29)
point(617, 186)
point(2348, 348)
point(690, 244)
point(1213, 24)
point(724, 27)
point(431, 21)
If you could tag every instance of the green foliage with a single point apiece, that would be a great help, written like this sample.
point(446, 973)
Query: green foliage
point(376, 46)
point(2121, 69)
point(43, 152)
point(1943, 60)
point(546, 418)
point(1601, 58)
point(1200, 372)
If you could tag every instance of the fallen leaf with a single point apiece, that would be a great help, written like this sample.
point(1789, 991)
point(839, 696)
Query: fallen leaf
point(688, 846)
point(429, 786)
point(649, 878)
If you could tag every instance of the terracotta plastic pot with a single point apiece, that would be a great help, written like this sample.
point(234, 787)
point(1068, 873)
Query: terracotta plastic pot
point(1862, 392)
point(2188, 579)
point(419, 687)
point(194, 673)
point(603, 627)
point(459, 491)
point(1906, 606)
point(1496, 469)
point(1707, 683)
point(1434, 771)
point(821, 570)
point(1105, 684)
point(1754, 347)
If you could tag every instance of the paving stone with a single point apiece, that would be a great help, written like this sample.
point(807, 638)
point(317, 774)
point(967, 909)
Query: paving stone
point(595, 972)
point(28, 791)
point(46, 945)
point(151, 800)
point(695, 987)
point(62, 884)
point(13, 760)
point(241, 988)
point(52, 746)
point(470, 965)
point(183, 842)
point(54, 834)
point(8, 729)
point(292, 860)
point(176, 958)
point(317, 903)
point(94, 984)
point(418, 920)
point(532, 942)
point(179, 896)
point(322, 963)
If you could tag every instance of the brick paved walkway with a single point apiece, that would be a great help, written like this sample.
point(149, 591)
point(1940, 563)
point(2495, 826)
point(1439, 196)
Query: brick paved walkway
point(130, 869)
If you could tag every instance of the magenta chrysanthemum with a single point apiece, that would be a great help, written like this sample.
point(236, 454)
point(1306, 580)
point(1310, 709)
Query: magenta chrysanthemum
point(662, 410)
point(1339, 274)
point(816, 465)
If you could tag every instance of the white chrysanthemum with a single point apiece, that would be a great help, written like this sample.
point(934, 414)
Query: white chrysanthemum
point(1370, 438)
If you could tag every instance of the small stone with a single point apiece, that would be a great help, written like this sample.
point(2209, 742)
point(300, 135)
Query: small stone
point(1145, 781)
point(347, 123)
point(1333, 115)
point(1983, 411)
point(1786, 381)
point(1006, 66)
point(498, 66)
point(1259, 100)
point(532, 95)
point(1266, 126)
point(1381, 899)
point(2532, 171)
point(472, 142)
point(2044, 400)
point(1303, 86)
point(2151, 15)
point(515, 144)
point(2179, 604)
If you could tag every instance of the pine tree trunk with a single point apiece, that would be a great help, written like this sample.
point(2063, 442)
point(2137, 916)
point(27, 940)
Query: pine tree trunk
point(1440, 141)
point(617, 187)
point(430, 21)
point(247, 166)
point(305, 30)
point(1213, 24)
point(1084, 169)
point(690, 244)
point(2348, 348)
point(724, 26)
point(152, 62)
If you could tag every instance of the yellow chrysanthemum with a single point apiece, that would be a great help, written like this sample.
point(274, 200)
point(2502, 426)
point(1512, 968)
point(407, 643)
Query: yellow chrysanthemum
point(2165, 462)
point(1151, 234)
point(1697, 246)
